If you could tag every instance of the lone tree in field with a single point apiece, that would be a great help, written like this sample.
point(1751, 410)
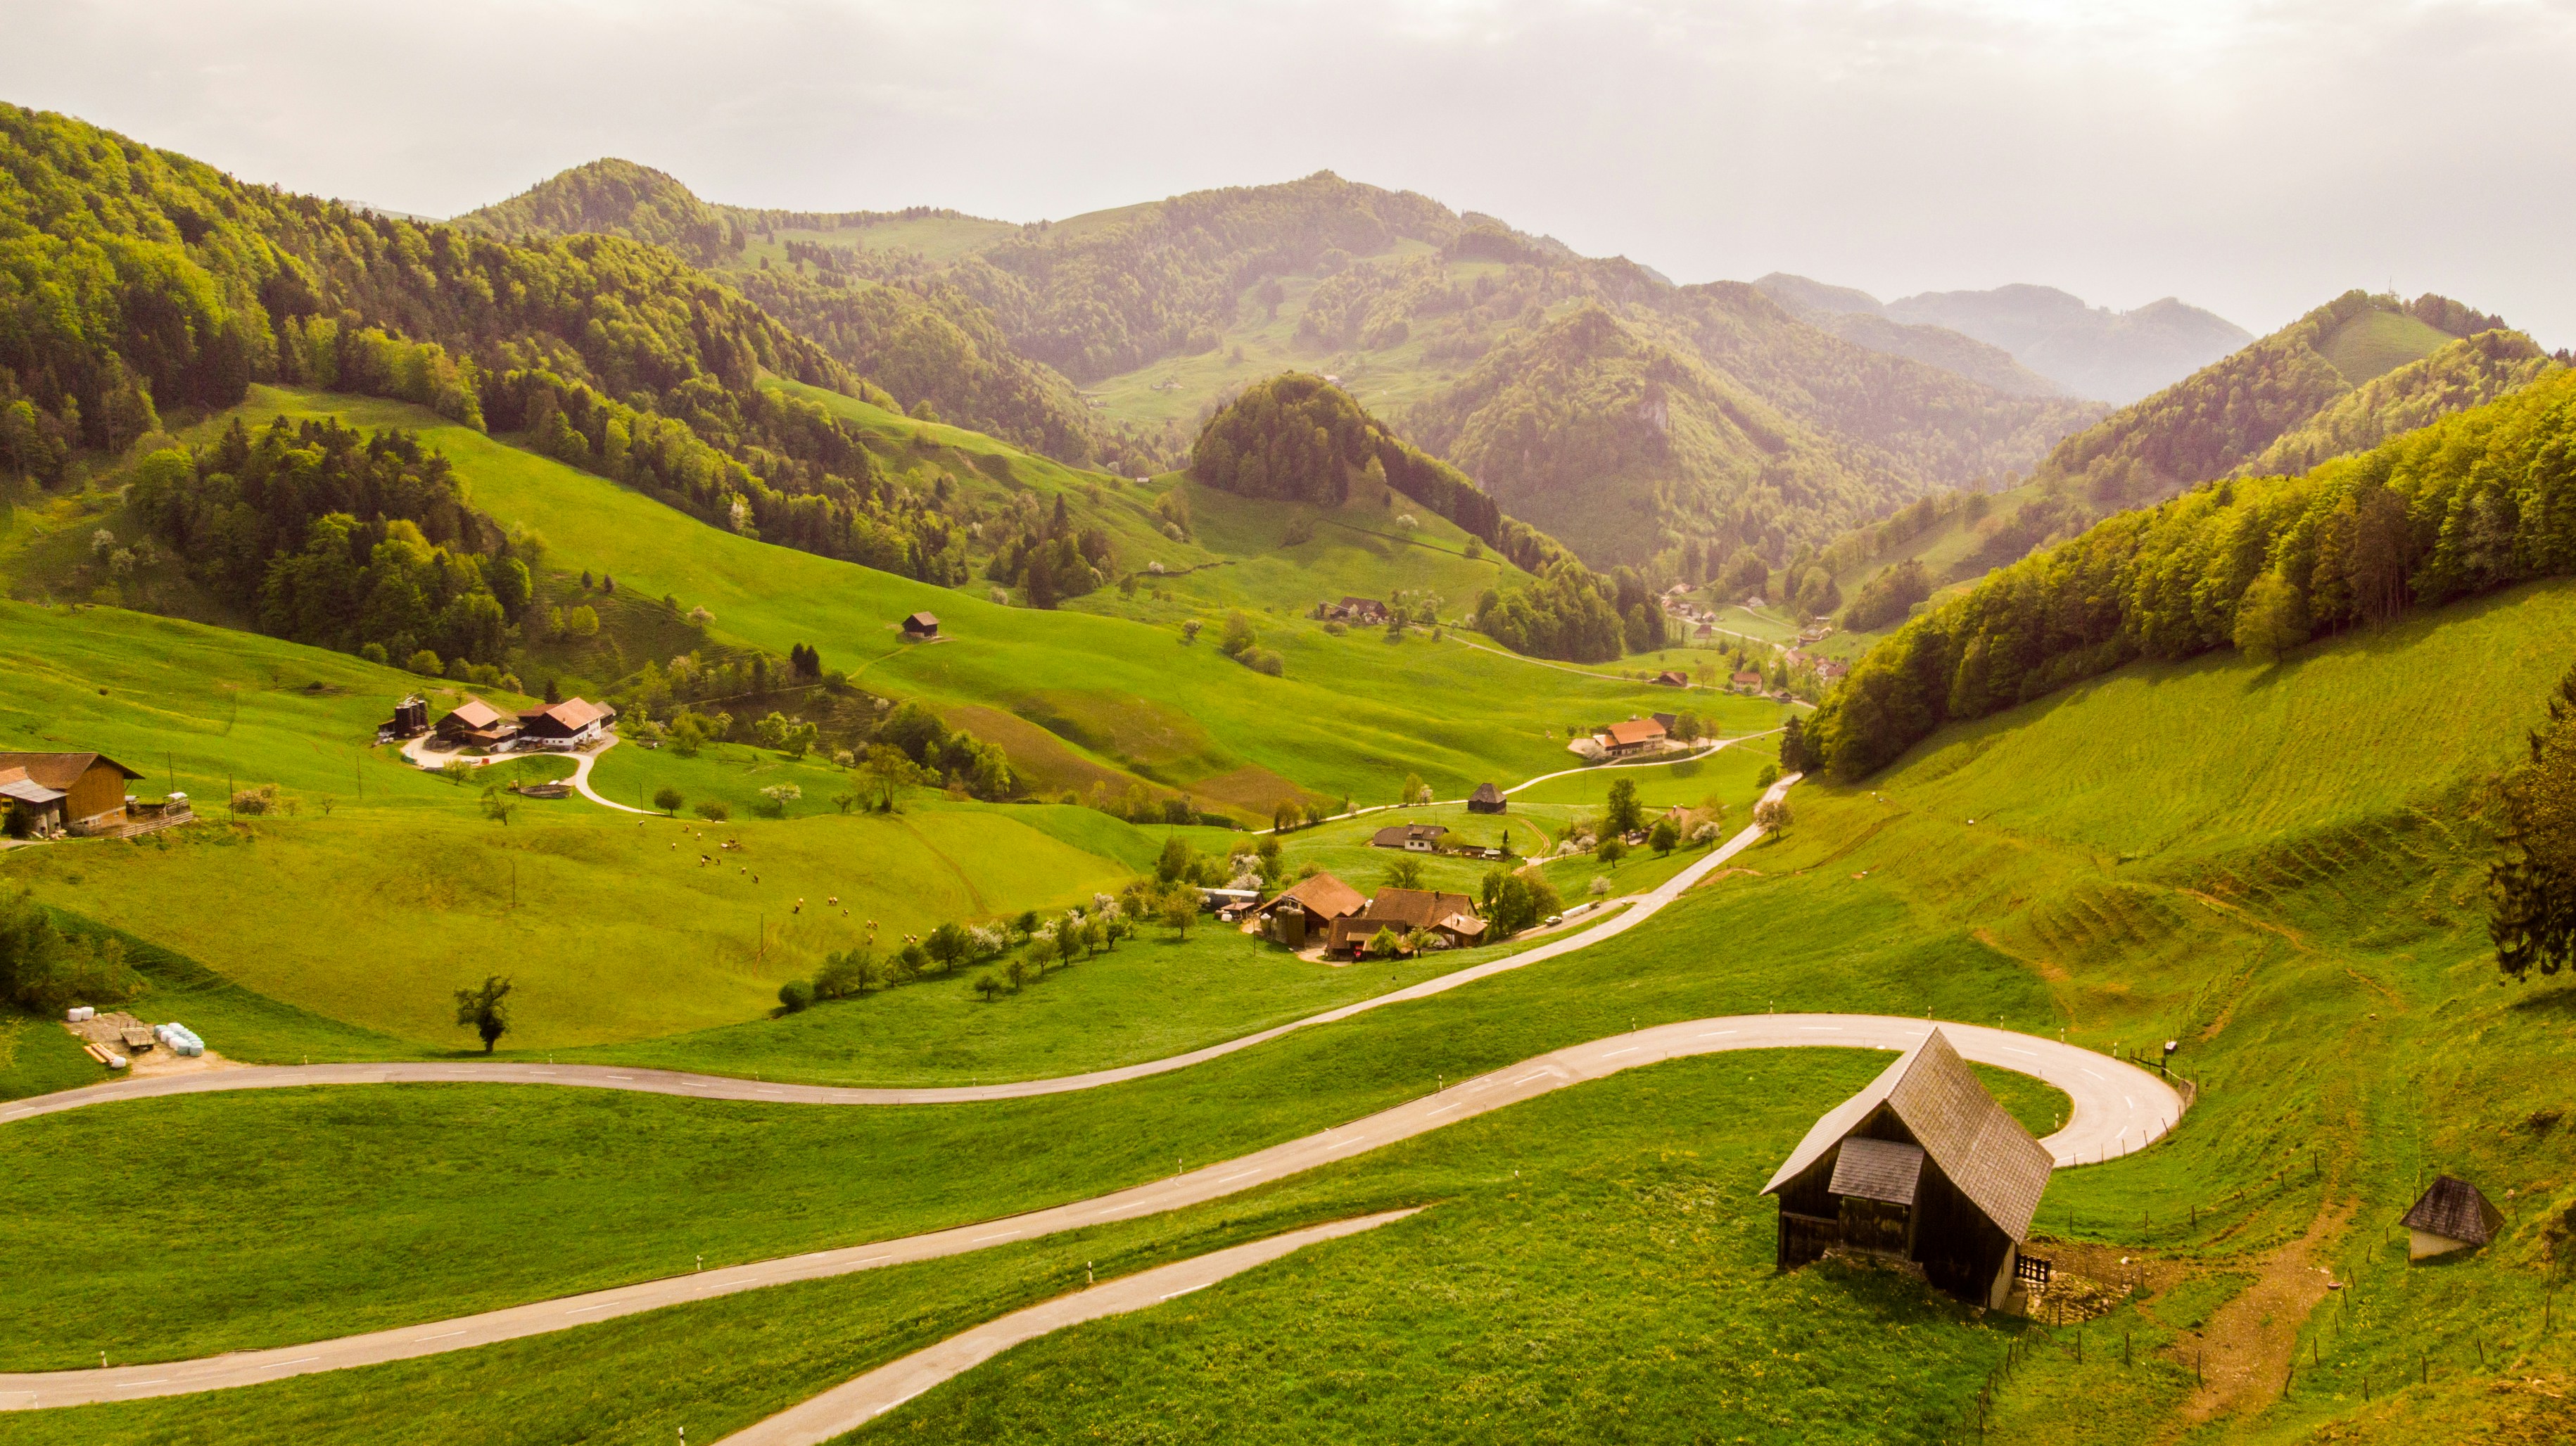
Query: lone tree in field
point(1622, 815)
point(1793, 745)
point(1180, 910)
point(1665, 836)
point(668, 799)
point(483, 1011)
point(1772, 814)
point(2533, 885)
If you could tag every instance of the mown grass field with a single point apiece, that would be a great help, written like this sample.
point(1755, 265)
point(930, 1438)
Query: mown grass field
point(1352, 715)
point(2376, 342)
point(2317, 948)
point(1595, 1254)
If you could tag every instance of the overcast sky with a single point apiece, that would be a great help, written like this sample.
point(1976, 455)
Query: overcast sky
point(2252, 158)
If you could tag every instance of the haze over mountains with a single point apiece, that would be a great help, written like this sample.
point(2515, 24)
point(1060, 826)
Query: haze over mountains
point(2083, 351)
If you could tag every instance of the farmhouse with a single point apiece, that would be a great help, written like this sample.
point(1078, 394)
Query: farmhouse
point(476, 724)
point(1921, 1166)
point(1636, 735)
point(921, 625)
point(1420, 838)
point(2453, 1215)
point(56, 793)
point(567, 724)
point(1404, 911)
point(1358, 610)
point(1747, 681)
point(1486, 799)
point(1671, 679)
point(1308, 908)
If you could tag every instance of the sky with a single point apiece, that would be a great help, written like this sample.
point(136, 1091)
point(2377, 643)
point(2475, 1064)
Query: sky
point(2255, 159)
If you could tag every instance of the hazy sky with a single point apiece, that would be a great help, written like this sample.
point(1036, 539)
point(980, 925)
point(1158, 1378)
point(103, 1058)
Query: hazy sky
point(2252, 158)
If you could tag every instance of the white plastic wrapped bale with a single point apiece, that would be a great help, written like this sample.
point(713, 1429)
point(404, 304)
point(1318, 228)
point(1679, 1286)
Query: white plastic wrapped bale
point(181, 1039)
point(81, 1014)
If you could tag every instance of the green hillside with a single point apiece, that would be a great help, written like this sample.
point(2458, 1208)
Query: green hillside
point(2375, 343)
point(2453, 377)
point(2260, 564)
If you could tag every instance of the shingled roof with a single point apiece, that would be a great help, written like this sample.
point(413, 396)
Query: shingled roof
point(1982, 1149)
point(1322, 895)
point(2455, 1210)
point(60, 770)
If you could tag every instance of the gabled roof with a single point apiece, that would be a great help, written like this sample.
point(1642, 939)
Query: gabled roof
point(1413, 908)
point(14, 783)
point(1634, 730)
point(1878, 1170)
point(475, 713)
point(922, 620)
point(60, 770)
point(1466, 926)
point(1983, 1150)
point(2455, 1210)
point(1395, 835)
point(1485, 793)
point(1323, 894)
point(570, 713)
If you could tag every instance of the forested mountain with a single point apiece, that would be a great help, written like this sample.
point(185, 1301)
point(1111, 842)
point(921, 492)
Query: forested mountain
point(937, 351)
point(1298, 438)
point(2462, 374)
point(1713, 417)
point(2085, 351)
point(2477, 500)
point(1858, 317)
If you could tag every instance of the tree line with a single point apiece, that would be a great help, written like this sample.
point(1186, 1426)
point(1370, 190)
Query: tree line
point(2479, 500)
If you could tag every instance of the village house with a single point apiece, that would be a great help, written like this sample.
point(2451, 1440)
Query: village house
point(2453, 1215)
point(57, 793)
point(1420, 838)
point(1486, 799)
point(921, 625)
point(1921, 1166)
point(1747, 682)
point(476, 724)
point(1448, 917)
point(1669, 678)
point(568, 724)
point(1635, 736)
point(1308, 908)
point(1367, 611)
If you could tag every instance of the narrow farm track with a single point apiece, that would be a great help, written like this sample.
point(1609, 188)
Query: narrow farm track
point(2118, 1109)
point(724, 1087)
point(846, 1407)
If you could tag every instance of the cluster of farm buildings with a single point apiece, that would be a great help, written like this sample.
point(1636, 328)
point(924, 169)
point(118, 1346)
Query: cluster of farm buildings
point(477, 724)
point(78, 795)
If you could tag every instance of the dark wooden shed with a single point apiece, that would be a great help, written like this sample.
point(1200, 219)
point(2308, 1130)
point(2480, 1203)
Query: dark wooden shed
point(1924, 1166)
point(921, 625)
point(2453, 1215)
point(1486, 799)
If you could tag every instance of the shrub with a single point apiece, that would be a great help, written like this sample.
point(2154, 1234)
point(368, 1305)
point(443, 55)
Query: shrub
point(988, 986)
point(425, 663)
point(775, 798)
point(712, 810)
point(262, 800)
point(796, 996)
point(44, 969)
point(1600, 884)
point(668, 799)
point(845, 974)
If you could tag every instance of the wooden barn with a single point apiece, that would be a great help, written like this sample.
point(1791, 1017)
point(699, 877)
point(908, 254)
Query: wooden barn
point(921, 625)
point(1308, 908)
point(2453, 1215)
point(1486, 799)
point(570, 723)
point(56, 793)
point(1922, 1166)
point(476, 724)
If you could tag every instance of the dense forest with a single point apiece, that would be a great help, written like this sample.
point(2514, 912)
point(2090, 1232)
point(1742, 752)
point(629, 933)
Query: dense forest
point(331, 536)
point(1296, 437)
point(133, 280)
point(2478, 500)
point(936, 350)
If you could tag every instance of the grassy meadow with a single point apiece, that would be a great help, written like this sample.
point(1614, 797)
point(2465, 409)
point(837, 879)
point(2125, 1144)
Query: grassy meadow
point(2278, 868)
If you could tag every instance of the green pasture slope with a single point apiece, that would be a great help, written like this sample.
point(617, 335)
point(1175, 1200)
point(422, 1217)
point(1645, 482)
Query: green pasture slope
point(1074, 697)
point(2278, 867)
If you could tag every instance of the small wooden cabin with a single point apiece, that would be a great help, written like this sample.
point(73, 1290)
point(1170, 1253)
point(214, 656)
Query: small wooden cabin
point(55, 793)
point(921, 625)
point(1922, 1166)
point(2453, 1215)
point(1486, 799)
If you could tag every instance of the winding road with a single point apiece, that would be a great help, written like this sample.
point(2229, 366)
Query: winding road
point(416, 753)
point(725, 1087)
point(2118, 1108)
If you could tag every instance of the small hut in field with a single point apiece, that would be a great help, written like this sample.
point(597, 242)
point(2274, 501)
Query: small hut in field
point(1922, 1166)
point(2453, 1215)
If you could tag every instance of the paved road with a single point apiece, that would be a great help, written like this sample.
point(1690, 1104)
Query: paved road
point(417, 753)
point(848, 1407)
point(2119, 1108)
point(723, 1087)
